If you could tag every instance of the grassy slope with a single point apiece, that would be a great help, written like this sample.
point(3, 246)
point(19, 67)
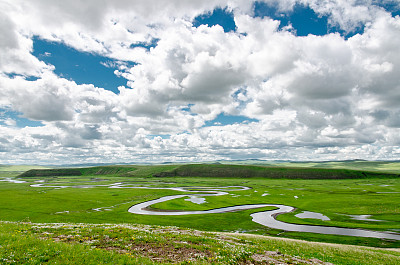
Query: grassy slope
point(246, 171)
point(137, 244)
point(136, 171)
point(21, 245)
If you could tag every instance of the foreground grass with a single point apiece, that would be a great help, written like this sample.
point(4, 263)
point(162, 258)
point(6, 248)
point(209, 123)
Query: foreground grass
point(19, 244)
point(29, 243)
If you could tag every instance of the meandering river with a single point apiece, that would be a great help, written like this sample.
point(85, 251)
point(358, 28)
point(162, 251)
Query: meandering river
point(265, 218)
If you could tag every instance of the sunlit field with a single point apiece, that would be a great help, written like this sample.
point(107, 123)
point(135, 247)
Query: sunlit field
point(103, 195)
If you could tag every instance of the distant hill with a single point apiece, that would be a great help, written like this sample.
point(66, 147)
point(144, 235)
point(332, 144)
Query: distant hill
point(243, 171)
point(105, 170)
point(214, 170)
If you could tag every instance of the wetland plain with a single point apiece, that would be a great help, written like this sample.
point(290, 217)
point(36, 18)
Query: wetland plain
point(361, 209)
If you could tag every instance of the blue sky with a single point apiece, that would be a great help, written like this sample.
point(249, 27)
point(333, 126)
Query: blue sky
point(81, 67)
point(302, 18)
point(199, 81)
point(17, 117)
point(218, 16)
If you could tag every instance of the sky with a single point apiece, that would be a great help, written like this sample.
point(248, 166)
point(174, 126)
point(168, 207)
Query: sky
point(157, 81)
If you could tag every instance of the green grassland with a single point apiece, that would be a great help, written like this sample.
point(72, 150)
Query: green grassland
point(333, 192)
point(379, 166)
point(26, 243)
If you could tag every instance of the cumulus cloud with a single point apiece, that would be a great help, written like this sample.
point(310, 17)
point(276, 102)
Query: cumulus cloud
point(311, 97)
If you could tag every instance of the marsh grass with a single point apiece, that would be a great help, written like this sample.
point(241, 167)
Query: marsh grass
point(335, 198)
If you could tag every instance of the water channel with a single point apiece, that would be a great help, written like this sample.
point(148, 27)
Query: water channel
point(265, 218)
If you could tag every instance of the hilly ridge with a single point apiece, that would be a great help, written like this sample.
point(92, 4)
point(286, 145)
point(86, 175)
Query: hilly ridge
point(214, 170)
point(102, 170)
point(242, 171)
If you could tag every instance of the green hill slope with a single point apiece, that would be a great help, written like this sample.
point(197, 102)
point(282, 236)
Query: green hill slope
point(103, 170)
point(213, 170)
point(243, 171)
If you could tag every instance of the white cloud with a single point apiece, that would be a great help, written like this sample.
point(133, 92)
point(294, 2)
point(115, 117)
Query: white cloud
point(38, 100)
point(10, 122)
point(315, 97)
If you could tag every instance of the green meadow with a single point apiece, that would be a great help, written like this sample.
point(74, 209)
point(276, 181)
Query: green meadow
point(379, 166)
point(70, 243)
point(338, 193)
